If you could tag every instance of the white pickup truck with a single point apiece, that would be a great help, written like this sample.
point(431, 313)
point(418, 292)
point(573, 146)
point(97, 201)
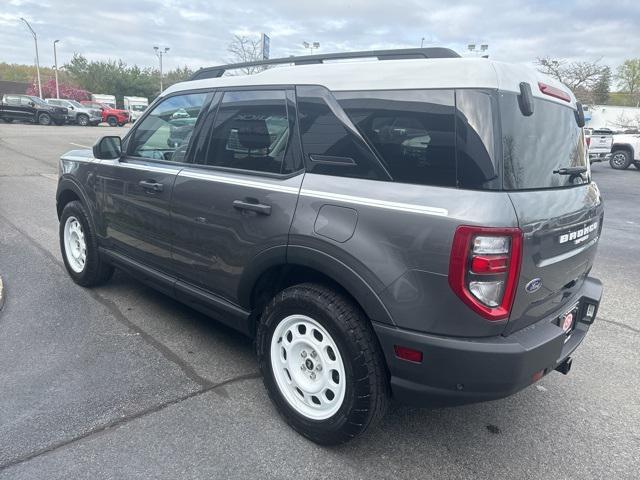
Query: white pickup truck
point(599, 142)
point(625, 151)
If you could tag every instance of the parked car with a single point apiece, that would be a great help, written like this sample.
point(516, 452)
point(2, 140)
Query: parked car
point(625, 151)
point(78, 113)
point(113, 116)
point(416, 228)
point(599, 143)
point(31, 109)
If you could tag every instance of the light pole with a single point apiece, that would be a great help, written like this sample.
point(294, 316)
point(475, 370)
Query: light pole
point(159, 53)
point(55, 62)
point(35, 39)
point(422, 42)
point(311, 46)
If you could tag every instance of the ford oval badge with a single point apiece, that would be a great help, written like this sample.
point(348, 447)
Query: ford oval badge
point(534, 285)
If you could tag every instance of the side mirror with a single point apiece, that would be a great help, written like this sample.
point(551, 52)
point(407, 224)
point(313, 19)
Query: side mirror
point(580, 115)
point(108, 148)
point(525, 99)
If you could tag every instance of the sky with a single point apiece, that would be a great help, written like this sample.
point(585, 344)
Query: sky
point(198, 32)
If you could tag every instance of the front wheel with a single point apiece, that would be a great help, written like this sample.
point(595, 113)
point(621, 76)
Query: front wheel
point(79, 247)
point(44, 119)
point(321, 363)
point(620, 160)
point(112, 121)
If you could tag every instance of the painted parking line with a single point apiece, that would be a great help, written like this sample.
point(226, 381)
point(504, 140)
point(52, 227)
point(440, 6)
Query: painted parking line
point(79, 145)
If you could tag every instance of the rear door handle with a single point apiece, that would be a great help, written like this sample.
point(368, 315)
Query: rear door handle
point(252, 207)
point(150, 185)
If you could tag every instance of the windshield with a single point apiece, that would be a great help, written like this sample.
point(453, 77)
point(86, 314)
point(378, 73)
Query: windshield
point(39, 101)
point(75, 104)
point(535, 147)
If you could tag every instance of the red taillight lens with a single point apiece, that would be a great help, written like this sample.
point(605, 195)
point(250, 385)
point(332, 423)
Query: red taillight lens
point(484, 268)
point(554, 92)
point(588, 141)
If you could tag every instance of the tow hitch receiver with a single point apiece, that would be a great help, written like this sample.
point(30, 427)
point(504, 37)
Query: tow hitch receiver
point(565, 366)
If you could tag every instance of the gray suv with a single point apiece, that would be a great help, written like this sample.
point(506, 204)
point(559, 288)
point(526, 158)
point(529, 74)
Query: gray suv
point(418, 226)
point(78, 113)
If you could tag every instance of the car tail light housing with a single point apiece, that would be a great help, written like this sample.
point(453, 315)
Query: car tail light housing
point(484, 268)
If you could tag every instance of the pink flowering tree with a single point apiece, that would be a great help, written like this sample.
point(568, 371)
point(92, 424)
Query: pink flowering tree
point(66, 91)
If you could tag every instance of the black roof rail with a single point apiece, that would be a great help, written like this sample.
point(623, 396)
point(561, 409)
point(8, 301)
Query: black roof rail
point(397, 54)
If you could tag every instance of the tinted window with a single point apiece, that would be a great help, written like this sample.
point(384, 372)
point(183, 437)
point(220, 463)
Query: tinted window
point(331, 144)
point(250, 131)
point(413, 131)
point(165, 133)
point(535, 146)
point(476, 142)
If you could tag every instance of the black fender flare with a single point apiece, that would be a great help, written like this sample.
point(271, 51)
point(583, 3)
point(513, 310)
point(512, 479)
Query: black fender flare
point(67, 183)
point(321, 262)
point(624, 146)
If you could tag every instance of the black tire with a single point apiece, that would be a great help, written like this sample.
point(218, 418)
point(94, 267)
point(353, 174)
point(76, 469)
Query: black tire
point(44, 119)
point(366, 394)
point(112, 121)
point(620, 160)
point(96, 271)
point(637, 165)
point(82, 119)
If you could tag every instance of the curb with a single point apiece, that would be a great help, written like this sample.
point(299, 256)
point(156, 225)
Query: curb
point(1, 294)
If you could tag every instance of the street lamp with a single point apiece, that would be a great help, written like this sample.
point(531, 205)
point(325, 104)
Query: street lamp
point(55, 62)
point(311, 46)
point(159, 53)
point(482, 49)
point(35, 39)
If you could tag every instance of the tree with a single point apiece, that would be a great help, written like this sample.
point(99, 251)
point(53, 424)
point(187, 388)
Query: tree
point(580, 77)
point(66, 91)
point(244, 49)
point(600, 92)
point(629, 75)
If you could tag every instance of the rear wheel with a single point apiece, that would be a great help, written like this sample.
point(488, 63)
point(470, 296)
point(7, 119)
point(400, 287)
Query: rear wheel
point(44, 119)
point(321, 363)
point(620, 160)
point(79, 247)
point(112, 121)
point(83, 120)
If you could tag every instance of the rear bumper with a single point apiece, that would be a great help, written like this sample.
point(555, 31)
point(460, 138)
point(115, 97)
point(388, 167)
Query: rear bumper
point(599, 157)
point(458, 370)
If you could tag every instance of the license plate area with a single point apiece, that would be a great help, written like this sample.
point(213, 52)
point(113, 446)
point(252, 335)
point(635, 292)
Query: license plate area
point(567, 321)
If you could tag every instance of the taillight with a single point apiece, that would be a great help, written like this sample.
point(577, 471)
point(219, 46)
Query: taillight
point(588, 141)
point(484, 268)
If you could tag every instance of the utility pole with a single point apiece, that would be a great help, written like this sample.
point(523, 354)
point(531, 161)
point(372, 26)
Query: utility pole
point(311, 46)
point(159, 53)
point(35, 39)
point(422, 42)
point(55, 62)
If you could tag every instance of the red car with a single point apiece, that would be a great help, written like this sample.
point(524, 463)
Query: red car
point(113, 116)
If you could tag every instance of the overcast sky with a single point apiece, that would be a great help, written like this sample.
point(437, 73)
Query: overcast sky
point(198, 32)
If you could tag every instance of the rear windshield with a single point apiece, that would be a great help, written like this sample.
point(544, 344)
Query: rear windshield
point(533, 147)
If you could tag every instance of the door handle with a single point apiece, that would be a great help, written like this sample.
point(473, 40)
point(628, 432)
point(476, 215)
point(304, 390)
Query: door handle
point(252, 207)
point(150, 185)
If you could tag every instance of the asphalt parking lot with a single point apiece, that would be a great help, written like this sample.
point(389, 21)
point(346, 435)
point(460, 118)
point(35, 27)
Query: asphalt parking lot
point(122, 382)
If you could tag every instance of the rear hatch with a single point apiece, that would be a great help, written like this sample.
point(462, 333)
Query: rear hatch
point(559, 214)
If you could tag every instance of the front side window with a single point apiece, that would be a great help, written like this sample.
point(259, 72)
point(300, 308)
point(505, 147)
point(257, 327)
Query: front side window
point(412, 131)
point(165, 133)
point(250, 132)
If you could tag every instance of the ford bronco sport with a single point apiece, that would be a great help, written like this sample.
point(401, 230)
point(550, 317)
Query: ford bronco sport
point(417, 226)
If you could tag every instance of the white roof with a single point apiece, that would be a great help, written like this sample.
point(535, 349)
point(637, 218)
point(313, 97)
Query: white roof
point(393, 74)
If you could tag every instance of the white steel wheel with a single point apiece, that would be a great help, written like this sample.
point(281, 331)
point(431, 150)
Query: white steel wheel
point(75, 247)
point(308, 367)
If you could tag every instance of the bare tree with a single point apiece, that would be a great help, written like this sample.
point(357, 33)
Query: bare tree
point(244, 49)
point(580, 77)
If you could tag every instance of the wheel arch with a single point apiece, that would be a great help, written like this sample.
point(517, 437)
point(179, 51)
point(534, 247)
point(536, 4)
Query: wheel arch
point(69, 191)
point(623, 146)
point(270, 273)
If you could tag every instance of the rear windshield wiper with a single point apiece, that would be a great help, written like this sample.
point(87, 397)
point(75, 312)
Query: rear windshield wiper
point(570, 170)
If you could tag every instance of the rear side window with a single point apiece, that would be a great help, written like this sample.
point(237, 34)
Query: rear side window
point(333, 145)
point(412, 131)
point(535, 146)
point(250, 132)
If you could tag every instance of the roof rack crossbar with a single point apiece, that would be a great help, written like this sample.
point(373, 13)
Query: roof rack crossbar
point(397, 54)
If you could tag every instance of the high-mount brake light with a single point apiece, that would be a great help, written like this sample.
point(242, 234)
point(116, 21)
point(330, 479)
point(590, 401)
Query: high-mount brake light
point(554, 92)
point(484, 268)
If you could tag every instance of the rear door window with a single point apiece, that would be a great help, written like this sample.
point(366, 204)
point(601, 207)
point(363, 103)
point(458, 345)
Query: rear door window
point(412, 131)
point(535, 146)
